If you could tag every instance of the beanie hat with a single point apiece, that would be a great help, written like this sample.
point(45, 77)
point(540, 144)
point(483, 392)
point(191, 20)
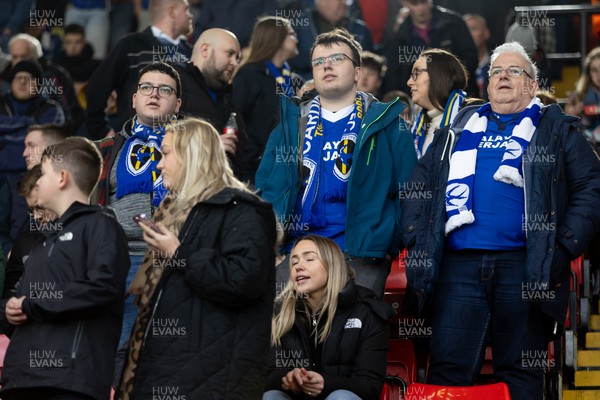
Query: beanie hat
point(28, 66)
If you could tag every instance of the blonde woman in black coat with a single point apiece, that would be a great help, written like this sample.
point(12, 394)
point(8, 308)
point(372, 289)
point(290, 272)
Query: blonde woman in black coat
point(329, 336)
point(206, 286)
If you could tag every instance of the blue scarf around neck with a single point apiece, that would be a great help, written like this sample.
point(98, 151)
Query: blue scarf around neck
point(419, 129)
point(335, 184)
point(283, 78)
point(136, 168)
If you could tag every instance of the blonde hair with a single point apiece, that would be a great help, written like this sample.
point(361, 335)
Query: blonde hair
point(205, 169)
point(338, 275)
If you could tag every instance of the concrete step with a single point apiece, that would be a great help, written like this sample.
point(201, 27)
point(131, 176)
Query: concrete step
point(595, 322)
point(587, 378)
point(581, 395)
point(588, 358)
point(592, 340)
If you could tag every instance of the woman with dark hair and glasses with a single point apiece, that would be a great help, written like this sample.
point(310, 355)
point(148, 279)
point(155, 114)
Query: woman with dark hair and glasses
point(258, 81)
point(437, 84)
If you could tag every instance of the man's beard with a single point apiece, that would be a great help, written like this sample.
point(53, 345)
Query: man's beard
point(215, 79)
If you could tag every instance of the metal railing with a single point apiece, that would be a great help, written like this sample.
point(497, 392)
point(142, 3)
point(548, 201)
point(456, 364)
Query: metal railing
point(584, 10)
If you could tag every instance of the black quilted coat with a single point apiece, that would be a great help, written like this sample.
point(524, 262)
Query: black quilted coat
point(210, 330)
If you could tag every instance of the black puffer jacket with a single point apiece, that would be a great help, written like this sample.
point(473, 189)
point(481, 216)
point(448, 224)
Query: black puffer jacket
point(354, 355)
point(209, 334)
point(74, 283)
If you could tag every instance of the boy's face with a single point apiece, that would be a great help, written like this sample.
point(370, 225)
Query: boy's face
point(73, 44)
point(48, 186)
point(369, 82)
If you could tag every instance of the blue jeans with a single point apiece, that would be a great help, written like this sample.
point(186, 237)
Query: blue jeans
point(481, 298)
point(130, 310)
point(335, 395)
point(129, 316)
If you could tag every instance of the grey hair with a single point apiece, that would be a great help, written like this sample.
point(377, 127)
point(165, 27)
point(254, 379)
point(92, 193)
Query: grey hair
point(35, 47)
point(515, 47)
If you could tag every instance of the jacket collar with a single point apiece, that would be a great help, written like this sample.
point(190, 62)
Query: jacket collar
point(75, 210)
point(197, 74)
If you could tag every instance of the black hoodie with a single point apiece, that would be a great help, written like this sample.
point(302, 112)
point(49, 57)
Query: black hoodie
point(74, 283)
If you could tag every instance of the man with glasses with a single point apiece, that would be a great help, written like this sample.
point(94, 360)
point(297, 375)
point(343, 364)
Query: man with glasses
point(513, 193)
point(130, 182)
point(164, 41)
point(334, 165)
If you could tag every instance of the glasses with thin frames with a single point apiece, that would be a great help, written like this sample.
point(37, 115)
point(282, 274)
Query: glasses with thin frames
point(335, 59)
point(514, 72)
point(164, 91)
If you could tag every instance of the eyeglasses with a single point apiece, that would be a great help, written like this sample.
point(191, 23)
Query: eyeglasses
point(511, 71)
point(163, 90)
point(335, 59)
point(416, 72)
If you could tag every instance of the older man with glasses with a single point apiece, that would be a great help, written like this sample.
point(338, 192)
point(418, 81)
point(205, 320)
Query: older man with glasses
point(513, 192)
point(334, 165)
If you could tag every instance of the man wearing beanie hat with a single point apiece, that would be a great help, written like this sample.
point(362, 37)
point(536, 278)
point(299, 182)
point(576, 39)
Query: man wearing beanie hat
point(21, 107)
point(32, 67)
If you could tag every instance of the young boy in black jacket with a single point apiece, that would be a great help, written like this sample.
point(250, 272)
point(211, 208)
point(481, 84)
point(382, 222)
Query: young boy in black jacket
point(69, 304)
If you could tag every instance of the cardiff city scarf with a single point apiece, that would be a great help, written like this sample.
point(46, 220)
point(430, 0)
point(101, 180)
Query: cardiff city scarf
point(461, 177)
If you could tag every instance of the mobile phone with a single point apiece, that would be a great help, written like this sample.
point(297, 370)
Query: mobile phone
point(146, 221)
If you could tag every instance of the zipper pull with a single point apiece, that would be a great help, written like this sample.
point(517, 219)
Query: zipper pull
point(314, 321)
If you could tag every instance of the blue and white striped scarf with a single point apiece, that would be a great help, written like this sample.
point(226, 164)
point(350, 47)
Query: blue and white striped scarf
point(419, 130)
point(461, 177)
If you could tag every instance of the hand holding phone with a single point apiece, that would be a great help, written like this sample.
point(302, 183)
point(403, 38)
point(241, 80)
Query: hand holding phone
point(141, 218)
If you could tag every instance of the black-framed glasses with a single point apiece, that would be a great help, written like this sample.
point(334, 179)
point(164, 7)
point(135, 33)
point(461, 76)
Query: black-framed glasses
point(416, 72)
point(163, 90)
point(335, 59)
point(511, 71)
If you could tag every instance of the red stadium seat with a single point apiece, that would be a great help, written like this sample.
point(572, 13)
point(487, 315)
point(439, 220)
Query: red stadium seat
point(3, 346)
point(421, 391)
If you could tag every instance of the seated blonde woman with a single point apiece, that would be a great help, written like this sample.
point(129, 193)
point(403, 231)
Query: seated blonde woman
point(329, 336)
